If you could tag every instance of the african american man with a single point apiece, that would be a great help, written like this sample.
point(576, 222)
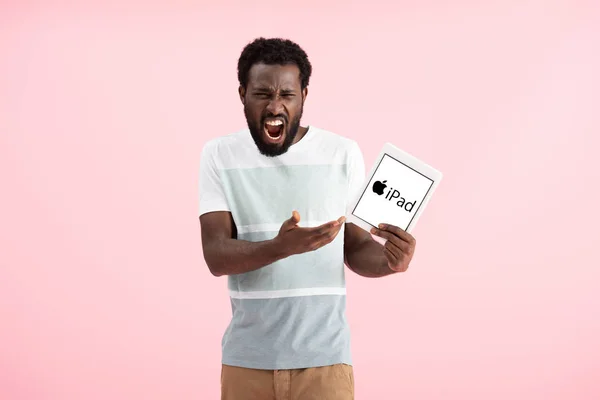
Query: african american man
point(272, 202)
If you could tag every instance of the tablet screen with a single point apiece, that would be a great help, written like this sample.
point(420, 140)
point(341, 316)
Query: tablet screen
point(393, 195)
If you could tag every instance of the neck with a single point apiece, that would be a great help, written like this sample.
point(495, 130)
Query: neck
point(301, 132)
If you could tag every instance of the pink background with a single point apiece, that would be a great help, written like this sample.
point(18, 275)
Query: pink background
point(104, 109)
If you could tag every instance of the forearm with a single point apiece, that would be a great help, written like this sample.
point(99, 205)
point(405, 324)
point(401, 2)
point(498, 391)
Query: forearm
point(368, 260)
point(233, 256)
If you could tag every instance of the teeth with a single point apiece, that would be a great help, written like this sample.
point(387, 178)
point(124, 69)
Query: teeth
point(274, 123)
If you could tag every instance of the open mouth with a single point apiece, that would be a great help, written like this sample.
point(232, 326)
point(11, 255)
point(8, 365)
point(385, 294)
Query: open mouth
point(274, 129)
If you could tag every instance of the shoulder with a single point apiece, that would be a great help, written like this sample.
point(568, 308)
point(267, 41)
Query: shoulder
point(225, 149)
point(331, 137)
point(225, 142)
point(332, 140)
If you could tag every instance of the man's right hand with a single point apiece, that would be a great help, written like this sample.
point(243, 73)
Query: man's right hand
point(295, 240)
point(226, 255)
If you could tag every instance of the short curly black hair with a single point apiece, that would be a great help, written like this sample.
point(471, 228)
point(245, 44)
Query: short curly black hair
point(274, 51)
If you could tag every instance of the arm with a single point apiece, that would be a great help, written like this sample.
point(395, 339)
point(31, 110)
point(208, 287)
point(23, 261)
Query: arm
point(363, 255)
point(226, 255)
point(367, 257)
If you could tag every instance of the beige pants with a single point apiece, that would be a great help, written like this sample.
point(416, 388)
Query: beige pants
point(335, 382)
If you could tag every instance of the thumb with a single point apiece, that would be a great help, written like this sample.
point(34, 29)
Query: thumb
point(290, 223)
point(295, 216)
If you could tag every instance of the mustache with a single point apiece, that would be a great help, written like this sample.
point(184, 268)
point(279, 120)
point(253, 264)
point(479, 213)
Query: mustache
point(270, 115)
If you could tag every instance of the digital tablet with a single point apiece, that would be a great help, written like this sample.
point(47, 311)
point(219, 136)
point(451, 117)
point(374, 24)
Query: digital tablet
point(396, 191)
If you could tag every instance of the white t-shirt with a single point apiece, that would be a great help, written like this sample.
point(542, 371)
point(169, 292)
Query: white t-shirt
point(289, 314)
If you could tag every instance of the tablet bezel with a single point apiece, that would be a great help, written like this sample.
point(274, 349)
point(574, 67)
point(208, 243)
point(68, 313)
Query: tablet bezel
point(409, 161)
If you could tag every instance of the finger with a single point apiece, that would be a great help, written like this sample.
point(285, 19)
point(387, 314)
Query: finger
point(390, 256)
point(289, 223)
point(391, 237)
point(389, 246)
point(325, 228)
point(326, 237)
point(401, 246)
point(317, 230)
point(295, 216)
point(329, 235)
point(401, 233)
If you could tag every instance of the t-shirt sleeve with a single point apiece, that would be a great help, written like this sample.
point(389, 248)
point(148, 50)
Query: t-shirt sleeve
point(356, 174)
point(211, 192)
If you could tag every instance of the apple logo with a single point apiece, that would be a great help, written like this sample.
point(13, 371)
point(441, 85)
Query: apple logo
point(378, 187)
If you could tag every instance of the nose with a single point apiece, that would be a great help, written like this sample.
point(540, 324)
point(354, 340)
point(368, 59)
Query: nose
point(275, 106)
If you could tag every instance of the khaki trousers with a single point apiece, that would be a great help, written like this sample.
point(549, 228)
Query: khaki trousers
point(334, 382)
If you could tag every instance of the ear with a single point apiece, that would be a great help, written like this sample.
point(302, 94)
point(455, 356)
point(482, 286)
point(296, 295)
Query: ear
point(304, 94)
point(242, 93)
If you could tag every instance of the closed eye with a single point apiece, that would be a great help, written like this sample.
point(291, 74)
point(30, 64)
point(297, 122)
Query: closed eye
point(265, 95)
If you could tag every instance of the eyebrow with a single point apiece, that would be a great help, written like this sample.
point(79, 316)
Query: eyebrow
point(267, 89)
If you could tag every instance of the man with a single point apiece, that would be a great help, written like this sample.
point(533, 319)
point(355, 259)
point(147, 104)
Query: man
point(272, 204)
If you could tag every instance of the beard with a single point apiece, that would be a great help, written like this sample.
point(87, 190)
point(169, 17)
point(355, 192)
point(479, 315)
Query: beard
point(271, 149)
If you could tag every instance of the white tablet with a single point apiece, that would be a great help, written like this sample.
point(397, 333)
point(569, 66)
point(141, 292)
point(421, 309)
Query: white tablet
point(396, 191)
